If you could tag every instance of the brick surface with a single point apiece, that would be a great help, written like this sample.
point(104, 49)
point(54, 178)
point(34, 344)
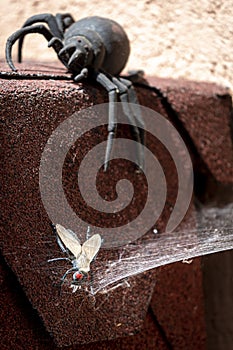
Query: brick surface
point(203, 113)
point(204, 110)
point(178, 299)
point(31, 110)
point(40, 105)
point(178, 304)
point(21, 327)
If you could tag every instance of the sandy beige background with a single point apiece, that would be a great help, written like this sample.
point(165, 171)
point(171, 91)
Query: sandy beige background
point(174, 38)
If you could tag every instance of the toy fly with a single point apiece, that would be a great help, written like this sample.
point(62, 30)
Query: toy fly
point(80, 256)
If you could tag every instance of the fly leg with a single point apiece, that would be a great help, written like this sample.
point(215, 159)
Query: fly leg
point(67, 272)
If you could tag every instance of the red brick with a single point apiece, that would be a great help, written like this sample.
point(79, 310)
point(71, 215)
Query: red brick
point(204, 110)
point(21, 327)
point(177, 303)
point(31, 110)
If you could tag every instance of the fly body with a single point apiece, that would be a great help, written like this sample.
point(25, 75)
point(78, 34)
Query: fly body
point(80, 256)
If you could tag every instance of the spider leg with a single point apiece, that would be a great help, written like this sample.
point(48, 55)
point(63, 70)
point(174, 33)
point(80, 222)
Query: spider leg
point(135, 106)
point(127, 95)
point(136, 76)
point(58, 47)
point(112, 90)
point(55, 25)
point(41, 29)
point(64, 21)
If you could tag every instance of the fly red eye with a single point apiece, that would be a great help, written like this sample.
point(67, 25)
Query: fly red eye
point(78, 276)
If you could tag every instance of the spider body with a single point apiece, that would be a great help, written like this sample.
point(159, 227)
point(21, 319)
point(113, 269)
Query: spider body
point(106, 43)
point(96, 48)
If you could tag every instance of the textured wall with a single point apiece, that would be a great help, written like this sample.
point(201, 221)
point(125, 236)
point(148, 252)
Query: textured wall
point(191, 39)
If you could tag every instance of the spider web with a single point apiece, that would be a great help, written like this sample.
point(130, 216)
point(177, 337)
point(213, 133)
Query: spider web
point(213, 234)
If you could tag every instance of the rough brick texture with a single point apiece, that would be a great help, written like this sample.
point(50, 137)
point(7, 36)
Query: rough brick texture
point(30, 110)
point(205, 112)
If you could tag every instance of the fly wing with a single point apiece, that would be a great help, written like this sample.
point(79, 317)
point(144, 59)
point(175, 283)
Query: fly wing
point(69, 239)
point(91, 247)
